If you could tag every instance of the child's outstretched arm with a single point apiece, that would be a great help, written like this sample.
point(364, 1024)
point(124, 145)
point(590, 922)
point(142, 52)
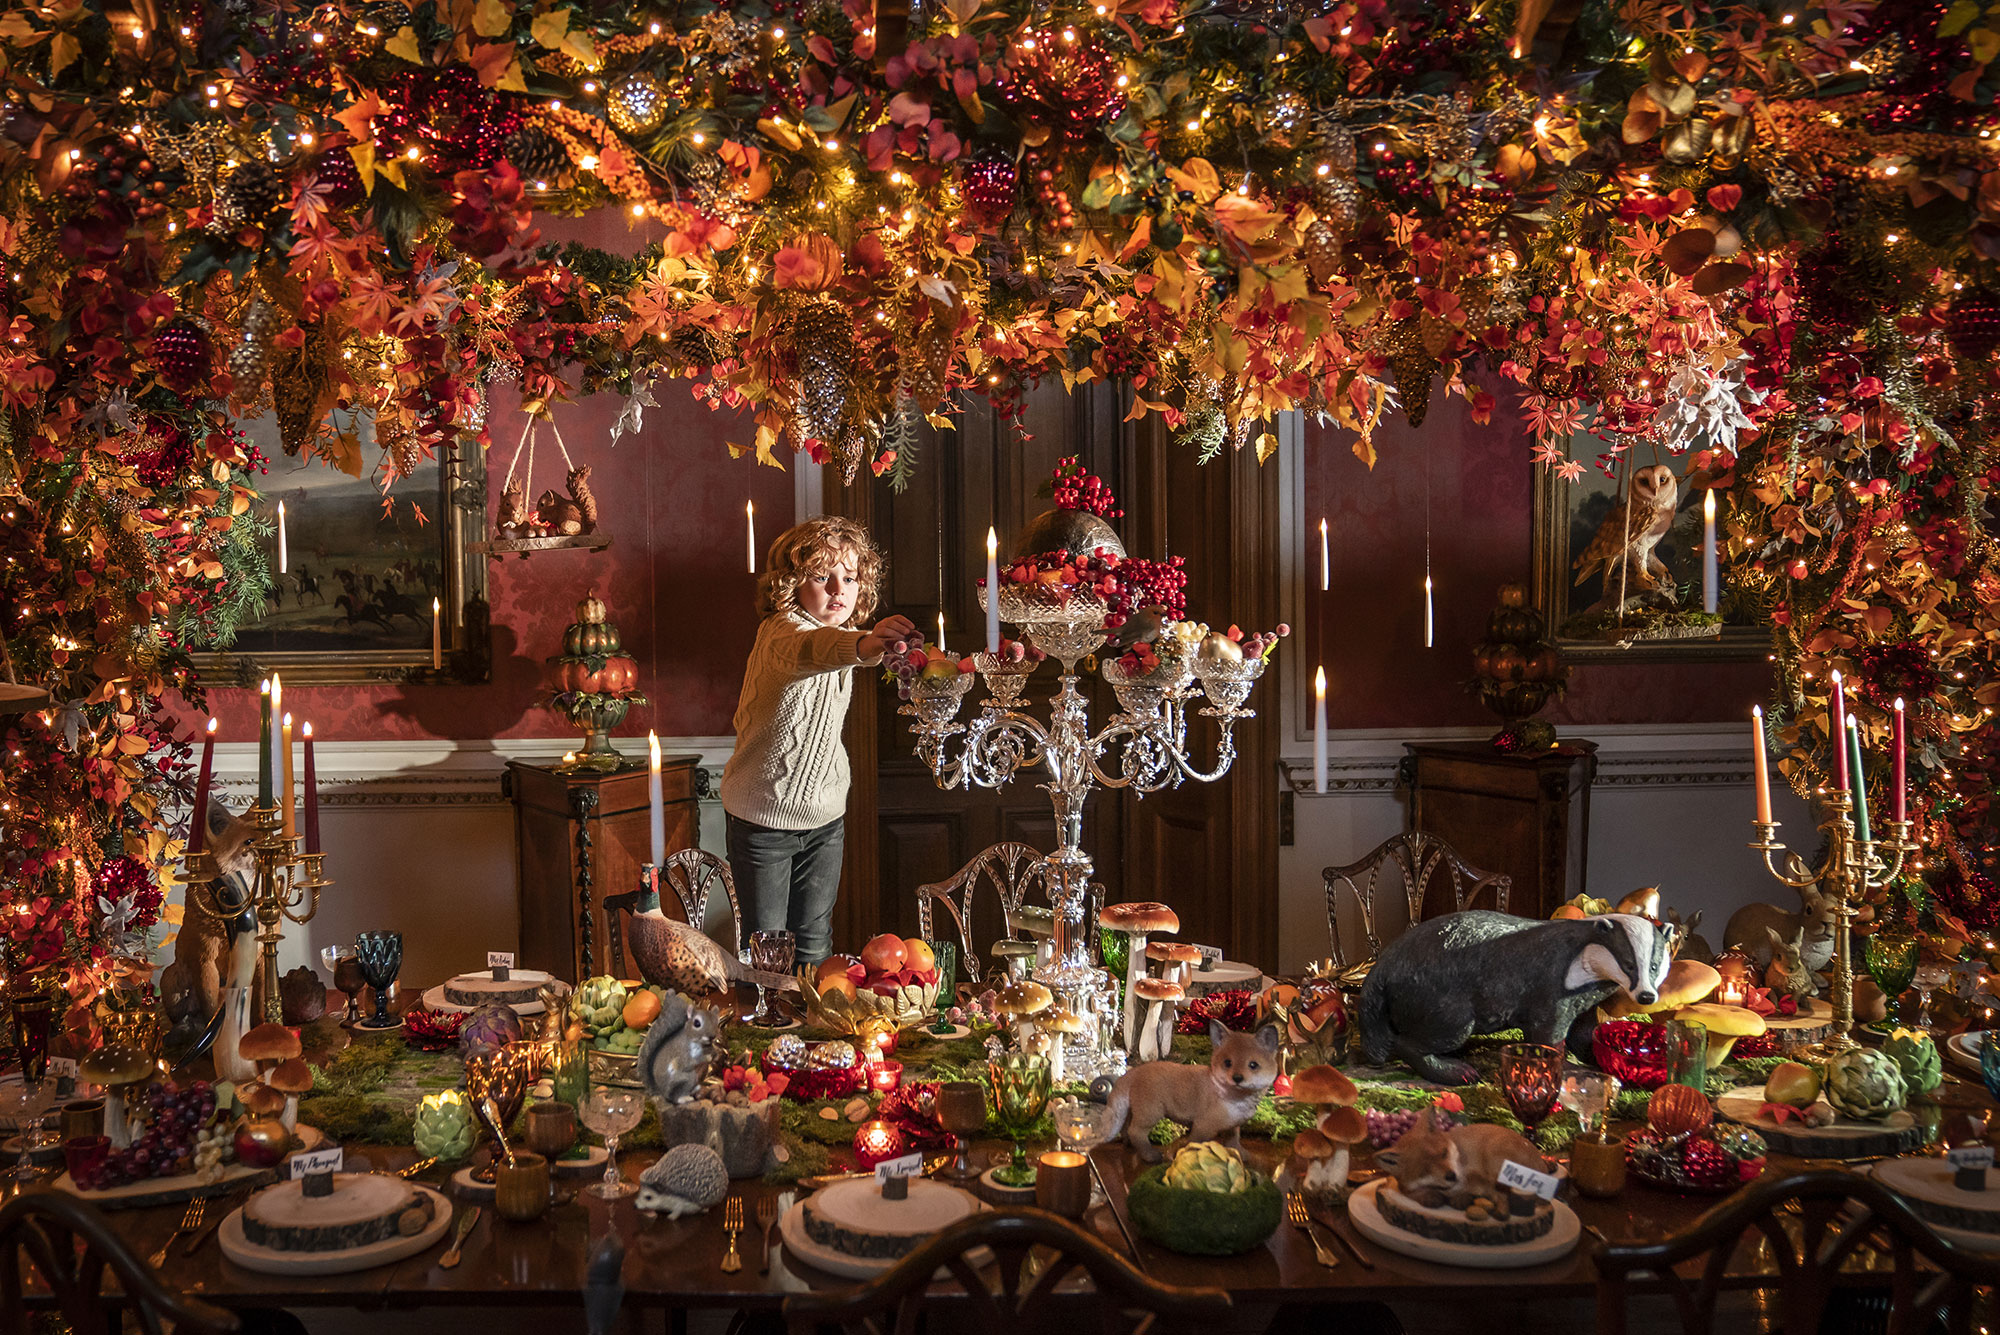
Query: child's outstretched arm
point(890, 632)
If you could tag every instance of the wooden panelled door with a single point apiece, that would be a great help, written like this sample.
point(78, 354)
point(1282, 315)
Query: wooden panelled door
point(1210, 850)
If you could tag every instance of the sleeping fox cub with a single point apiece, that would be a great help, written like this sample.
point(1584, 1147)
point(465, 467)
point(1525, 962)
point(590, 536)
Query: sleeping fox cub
point(1212, 1101)
point(1438, 1168)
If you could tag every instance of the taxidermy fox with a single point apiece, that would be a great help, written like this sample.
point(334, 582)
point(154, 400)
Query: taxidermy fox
point(1436, 1168)
point(1212, 1101)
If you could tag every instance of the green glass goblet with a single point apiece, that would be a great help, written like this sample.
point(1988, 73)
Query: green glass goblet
point(1020, 1085)
point(1892, 963)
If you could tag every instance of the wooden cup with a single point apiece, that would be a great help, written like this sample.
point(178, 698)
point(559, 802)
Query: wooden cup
point(1062, 1183)
point(1597, 1164)
point(551, 1128)
point(82, 1118)
point(521, 1189)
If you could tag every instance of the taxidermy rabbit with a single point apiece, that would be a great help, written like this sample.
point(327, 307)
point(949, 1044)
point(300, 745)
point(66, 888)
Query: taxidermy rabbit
point(1787, 973)
point(1748, 926)
point(676, 1053)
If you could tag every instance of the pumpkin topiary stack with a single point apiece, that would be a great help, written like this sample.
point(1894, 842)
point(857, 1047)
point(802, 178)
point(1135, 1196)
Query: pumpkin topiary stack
point(1516, 671)
point(595, 682)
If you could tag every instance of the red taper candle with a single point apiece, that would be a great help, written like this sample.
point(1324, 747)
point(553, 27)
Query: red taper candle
point(1839, 733)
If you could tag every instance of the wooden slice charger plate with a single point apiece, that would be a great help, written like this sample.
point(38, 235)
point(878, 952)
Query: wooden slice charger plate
point(1898, 1133)
point(1367, 1218)
point(1809, 1026)
point(251, 1256)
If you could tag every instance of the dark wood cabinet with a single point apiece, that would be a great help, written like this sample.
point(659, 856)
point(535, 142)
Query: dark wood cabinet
point(1525, 815)
point(582, 835)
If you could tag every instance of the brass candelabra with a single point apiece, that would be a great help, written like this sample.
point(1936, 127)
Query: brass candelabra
point(285, 886)
point(1851, 868)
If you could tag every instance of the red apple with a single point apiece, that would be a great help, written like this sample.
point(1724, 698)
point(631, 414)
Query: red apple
point(884, 954)
point(261, 1142)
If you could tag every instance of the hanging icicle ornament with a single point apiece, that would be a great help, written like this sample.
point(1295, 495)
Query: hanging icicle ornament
point(555, 521)
point(1430, 615)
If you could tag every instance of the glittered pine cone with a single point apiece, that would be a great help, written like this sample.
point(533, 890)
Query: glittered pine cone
point(249, 194)
point(535, 153)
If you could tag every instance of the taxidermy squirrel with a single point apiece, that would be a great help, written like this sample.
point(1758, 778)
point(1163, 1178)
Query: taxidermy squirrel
point(513, 514)
point(677, 1049)
point(559, 514)
point(1436, 1168)
point(1211, 1101)
point(586, 502)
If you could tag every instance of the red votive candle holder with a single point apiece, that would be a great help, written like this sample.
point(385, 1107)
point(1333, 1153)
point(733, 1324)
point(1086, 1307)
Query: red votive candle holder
point(84, 1155)
point(876, 1142)
point(885, 1076)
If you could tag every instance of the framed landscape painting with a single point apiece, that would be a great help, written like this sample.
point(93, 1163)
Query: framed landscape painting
point(354, 601)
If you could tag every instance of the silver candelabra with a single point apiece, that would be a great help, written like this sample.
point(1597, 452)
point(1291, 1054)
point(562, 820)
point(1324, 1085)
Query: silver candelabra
point(1148, 735)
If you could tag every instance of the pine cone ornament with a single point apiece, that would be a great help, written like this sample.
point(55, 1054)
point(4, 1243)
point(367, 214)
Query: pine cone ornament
point(926, 354)
point(1707, 1164)
point(249, 194)
point(1889, 61)
point(823, 347)
point(1973, 326)
point(127, 547)
point(1287, 118)
point(385, 18)
point(535, 153)
point(250, 359)
point(700, 348)
point(1335, 198)
point(1413, 368)
point(180, 354)
point(1322, 251)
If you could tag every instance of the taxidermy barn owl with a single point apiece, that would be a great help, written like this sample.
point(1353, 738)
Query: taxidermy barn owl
point(1629, 541)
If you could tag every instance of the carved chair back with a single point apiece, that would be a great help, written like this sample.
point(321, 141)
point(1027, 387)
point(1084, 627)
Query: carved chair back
point(59, 1250)
point(1045, 1274)
point(1012, 869)
point(1816, 1227)
point(1418, 857)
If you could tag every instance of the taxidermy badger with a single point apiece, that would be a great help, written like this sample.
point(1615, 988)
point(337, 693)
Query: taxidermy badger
point(1446, 979)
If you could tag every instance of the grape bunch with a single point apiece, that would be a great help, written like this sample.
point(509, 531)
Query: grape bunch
point(1075, 489)
point(214, 1144)
point(1386, 1128)
point(175, 1116)
point(915, 658)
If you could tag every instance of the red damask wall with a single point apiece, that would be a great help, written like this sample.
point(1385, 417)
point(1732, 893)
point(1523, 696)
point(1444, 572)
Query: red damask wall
point(1481, 493)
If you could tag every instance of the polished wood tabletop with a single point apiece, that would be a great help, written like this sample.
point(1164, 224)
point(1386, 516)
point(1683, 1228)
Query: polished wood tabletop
point(677, 1263)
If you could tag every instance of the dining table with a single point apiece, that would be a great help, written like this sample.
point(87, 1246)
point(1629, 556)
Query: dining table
point(676, 1264)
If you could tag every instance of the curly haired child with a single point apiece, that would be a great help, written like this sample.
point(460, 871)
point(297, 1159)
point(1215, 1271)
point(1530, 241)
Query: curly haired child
point(785, 786)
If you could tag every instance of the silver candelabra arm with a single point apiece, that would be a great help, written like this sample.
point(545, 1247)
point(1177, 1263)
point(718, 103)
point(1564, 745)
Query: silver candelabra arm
point(1154, 751)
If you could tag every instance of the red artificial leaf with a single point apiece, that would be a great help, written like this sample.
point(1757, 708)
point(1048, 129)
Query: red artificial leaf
point(1721, 277)
point(1688, 249)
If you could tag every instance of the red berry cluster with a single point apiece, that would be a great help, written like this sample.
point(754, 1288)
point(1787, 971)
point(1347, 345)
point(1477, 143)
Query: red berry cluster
point(1076, 489)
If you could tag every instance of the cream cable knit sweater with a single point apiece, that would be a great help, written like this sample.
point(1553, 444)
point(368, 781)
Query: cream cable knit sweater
point(789, 770)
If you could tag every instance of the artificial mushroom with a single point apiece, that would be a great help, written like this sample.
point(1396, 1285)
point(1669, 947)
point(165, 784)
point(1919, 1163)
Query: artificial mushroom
point(1137, 921)
point(1175, 958)
point(116, 1067)
point(1019, 1002)
point(267, 1045)
point(1724, 1023)
point(1341, 1124)
point(291, 1078)
point(1687, 982)
point(1156, 1033)
point(1015, 958)
point(261, 1100)
point(1058, 1022)
point(1346, 1126)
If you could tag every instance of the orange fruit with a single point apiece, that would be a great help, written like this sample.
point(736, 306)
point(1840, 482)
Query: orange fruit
point(918, 955)
point(641, 1009)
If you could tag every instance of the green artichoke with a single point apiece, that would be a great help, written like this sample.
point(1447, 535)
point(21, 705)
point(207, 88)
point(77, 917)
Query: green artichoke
point(1917, 1056)
point(600, 1004)
point(1865, 1084)
point(444, 1128)
point(1204, 1223)
point(1207, 1166)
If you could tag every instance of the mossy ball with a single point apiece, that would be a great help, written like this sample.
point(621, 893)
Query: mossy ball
point(1203, 1223)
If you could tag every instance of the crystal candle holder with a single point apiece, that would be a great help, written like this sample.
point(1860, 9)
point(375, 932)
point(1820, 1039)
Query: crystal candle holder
point(1227, 683)
point(1005, 678)
point(937, 702)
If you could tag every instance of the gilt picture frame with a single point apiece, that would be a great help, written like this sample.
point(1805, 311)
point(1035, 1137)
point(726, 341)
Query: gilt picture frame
point(354, 604)
point(1566, 516)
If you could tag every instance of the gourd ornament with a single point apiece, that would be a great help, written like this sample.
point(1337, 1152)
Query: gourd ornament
point(595, 681)
point(1515, 669)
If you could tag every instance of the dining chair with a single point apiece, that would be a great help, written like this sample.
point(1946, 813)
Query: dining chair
point(947, 1285)
point(68, 1245)
point(692, 874)
point(1012, 869)
point(1419, 857)
point(1811, 1224)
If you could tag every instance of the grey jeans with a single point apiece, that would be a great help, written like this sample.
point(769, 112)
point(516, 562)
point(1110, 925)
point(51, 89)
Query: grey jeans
point(789, 879)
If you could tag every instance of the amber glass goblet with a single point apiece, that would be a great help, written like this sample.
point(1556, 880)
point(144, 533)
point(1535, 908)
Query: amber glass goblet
point(1531, 1077)
point(961, 1110)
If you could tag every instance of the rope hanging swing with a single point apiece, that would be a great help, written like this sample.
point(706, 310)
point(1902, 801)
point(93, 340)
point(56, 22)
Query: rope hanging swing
point(555, 522)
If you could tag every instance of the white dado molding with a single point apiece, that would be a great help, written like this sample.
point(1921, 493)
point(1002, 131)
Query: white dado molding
point(437, 772)
point(1366, 760)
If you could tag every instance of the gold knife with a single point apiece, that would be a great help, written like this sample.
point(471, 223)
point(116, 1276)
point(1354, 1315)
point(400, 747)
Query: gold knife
point(417, 1167)
point(466, 1223)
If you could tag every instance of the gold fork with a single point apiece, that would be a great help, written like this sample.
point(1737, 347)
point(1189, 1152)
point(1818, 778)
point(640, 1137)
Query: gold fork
point(767, 1219)
point(732, 1224)
point(1295, 1210)
point(190, 1221)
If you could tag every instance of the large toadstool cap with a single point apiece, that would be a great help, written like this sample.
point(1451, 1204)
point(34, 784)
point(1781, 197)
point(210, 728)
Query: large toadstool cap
point(269, 1043)
point(115, 1064)
point(1060, 1020)
point(1323, 1085)
point(1156, 989)
point(291, 1076)
point(1344, 1125)
point(1022, 998)
point(1173, 952)
point(1145, 917)
point(1734, 1021)
point(1687, 982)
